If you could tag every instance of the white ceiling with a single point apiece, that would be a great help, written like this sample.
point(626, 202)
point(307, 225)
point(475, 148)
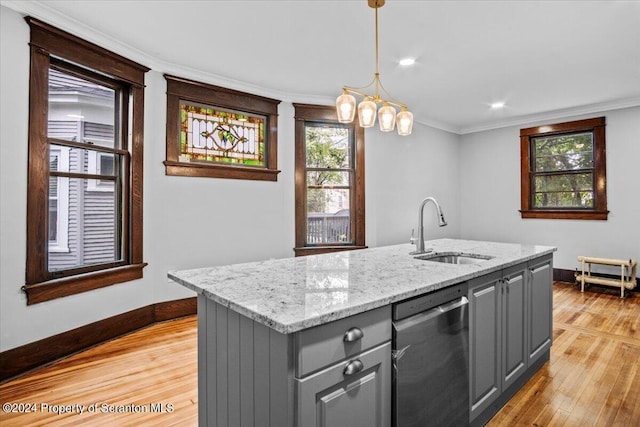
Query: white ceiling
point(545, 59)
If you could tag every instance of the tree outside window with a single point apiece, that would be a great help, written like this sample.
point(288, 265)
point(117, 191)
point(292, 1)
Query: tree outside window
point(564, 170)
point(329, 182)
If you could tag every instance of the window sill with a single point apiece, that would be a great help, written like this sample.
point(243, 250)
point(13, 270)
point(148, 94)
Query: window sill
point(220, 171)
point(564, 214)
point(316, 250)
point(58, 288)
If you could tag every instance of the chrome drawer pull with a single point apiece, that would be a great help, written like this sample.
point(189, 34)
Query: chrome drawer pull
point(353, 334)
point(353, 367)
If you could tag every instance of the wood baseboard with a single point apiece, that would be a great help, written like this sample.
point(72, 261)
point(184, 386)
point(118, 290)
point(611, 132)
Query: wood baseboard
point(562, 275)
point(19, 360)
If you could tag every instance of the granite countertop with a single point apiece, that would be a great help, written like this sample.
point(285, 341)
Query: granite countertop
point(293, 294)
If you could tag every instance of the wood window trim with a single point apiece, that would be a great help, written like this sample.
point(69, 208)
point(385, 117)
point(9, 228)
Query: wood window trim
point(321, 113)
point(46, 42)
point(180, 89)
point(595, 125)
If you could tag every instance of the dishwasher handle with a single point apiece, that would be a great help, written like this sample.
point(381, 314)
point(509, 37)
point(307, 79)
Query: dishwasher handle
point(453, 304)
point(427, 315)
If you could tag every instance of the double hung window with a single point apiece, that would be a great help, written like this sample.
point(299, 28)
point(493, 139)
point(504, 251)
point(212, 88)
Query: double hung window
point(564, 170)
point(84, 204)
point(329, 182)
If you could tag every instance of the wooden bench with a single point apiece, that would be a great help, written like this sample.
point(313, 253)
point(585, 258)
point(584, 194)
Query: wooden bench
point(627, 273)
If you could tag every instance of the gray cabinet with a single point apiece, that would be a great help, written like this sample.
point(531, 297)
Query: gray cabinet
point(497, 334)
point(336, 374)
point(510, 330)
point(540, 297)
point(484, 341)
point(513, 313)
point(343, 372)
point(336, 397)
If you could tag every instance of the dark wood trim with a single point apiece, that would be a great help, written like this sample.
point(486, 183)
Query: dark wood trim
point(564, 275)
point(327, 114)
point(564, 214)
point(315, 112)
point(21, 359)
point(52, 289)
point(37, 178)
point(316, 250)
point(558, 128)
point(220, 171)
point(599, 211)
point(205, 93)
point(53, 47)
point(180, 89)
point(62, 44)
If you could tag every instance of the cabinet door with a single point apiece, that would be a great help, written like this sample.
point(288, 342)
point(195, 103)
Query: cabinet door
point(484, 341)
point(332, 397)
point(540, 309)
point(514, 354)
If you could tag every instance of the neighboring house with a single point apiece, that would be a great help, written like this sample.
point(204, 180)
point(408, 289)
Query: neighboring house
point(82, 213)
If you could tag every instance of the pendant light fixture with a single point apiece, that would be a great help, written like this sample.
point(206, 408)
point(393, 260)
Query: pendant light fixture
point(368, 107)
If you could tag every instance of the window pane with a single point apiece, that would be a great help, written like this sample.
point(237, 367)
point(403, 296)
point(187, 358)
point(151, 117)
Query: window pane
point(564, 152)
point(557, 191)
point(327, 179)
point(91, 226)
point(328, 216)
point(106, 164)
point(221, 136)
point(88, 161)
point(327, 147)
point(80, 110)
point(53, 221)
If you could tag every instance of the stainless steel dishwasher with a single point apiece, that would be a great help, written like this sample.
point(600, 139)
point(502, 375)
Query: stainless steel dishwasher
point(431, 359)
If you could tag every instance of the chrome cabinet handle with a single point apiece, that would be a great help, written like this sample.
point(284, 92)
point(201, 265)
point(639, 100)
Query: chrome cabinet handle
point(353, 367)
point(353, 334)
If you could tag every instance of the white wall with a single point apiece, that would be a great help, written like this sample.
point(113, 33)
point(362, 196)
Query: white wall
point(490, 194)
point(188, 222)
point(400, 173)
point(195, 222)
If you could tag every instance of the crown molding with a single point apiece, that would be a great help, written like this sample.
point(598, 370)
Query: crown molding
point(39, 9)
point(554, 114)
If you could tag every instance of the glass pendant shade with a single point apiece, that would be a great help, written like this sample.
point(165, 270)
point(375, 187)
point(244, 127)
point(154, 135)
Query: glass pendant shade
point(367, 113)
point(346, 108)
point(387, 117)
point(405, 122)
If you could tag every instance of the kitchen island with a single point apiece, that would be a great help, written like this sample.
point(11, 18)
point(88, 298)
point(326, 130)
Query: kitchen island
point(273, 346)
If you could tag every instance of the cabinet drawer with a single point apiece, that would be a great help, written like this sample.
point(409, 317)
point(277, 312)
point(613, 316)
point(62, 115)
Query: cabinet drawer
point(325, 344)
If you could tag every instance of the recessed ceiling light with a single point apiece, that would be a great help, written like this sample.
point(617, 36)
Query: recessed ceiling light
point(407, 61)
point(497, 105)
point(75, 116)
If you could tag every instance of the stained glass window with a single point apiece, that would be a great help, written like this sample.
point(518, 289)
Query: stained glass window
point(214, 135)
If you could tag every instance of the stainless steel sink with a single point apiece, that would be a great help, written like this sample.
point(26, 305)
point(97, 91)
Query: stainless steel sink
point(454, 257)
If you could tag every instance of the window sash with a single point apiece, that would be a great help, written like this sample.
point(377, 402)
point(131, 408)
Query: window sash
point(325, 228)
point(352, 171)
point(106, 247)
point(588, 200)
point(51, 47)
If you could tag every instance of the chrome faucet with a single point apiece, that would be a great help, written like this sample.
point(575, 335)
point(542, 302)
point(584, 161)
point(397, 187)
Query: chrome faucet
point(419, 242)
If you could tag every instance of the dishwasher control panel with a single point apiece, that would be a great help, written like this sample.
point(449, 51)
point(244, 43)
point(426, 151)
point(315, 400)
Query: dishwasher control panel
point(432, 299)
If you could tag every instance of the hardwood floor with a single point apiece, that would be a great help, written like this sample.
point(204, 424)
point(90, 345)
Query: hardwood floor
point(593, 378)
point(157, 364)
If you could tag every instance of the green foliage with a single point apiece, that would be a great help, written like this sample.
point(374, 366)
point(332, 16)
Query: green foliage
point(572, 153)
point(326, 148)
